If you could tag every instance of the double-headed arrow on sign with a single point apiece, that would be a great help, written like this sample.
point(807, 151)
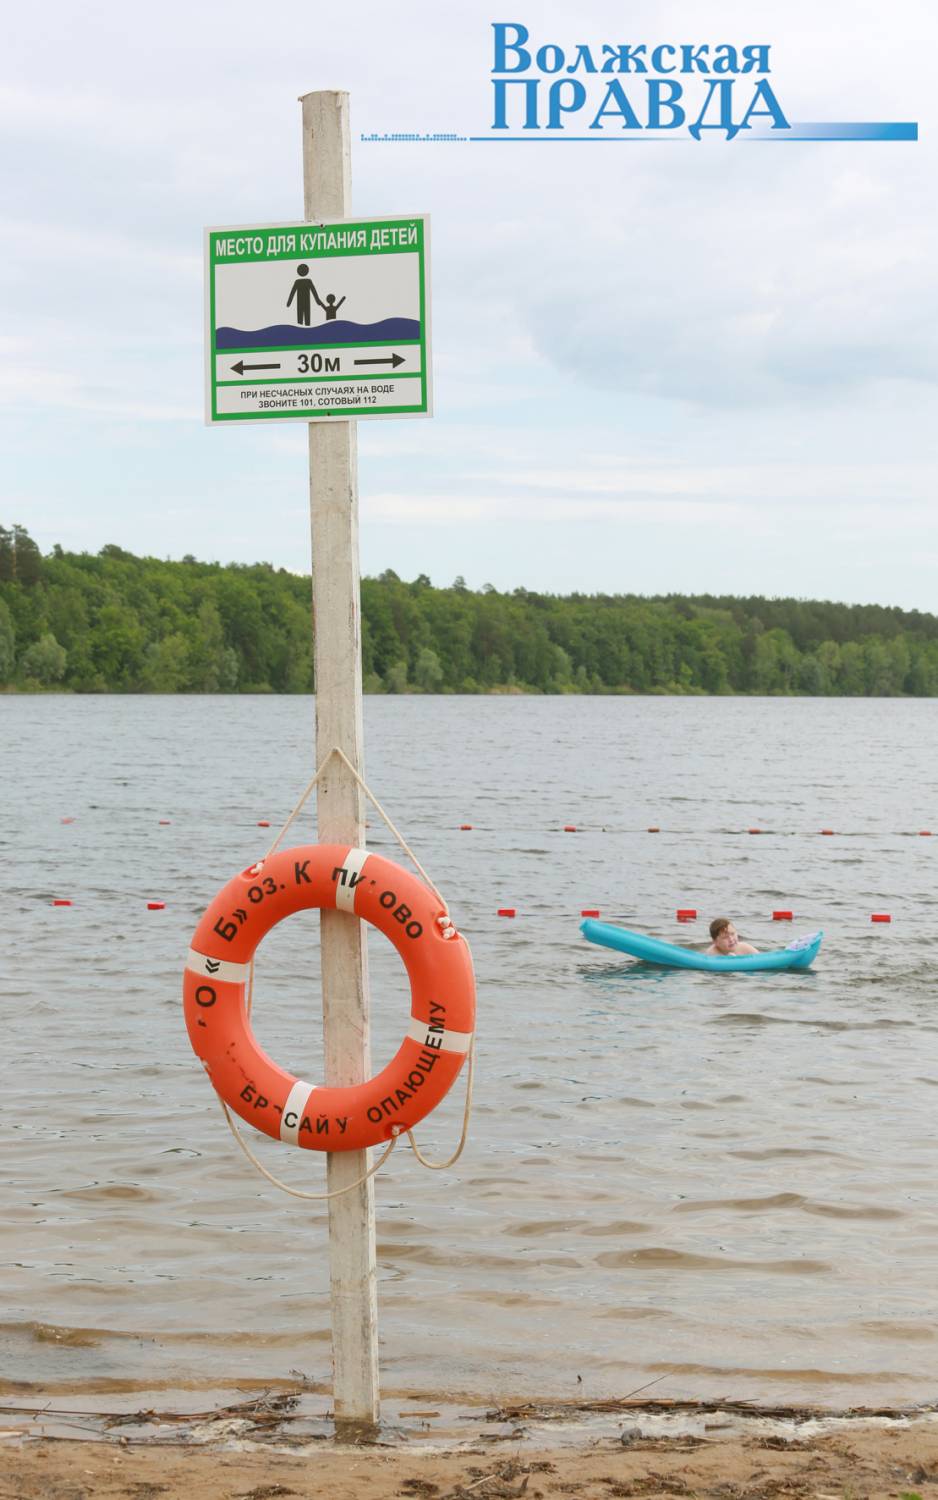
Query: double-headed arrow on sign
point(392, 359)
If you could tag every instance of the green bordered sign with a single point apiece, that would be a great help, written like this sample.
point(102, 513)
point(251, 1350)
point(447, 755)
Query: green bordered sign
point(318, 322)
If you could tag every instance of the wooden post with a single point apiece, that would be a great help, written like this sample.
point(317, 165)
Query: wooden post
point(333, 491)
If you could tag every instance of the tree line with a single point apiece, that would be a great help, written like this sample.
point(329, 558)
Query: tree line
point(114, 622)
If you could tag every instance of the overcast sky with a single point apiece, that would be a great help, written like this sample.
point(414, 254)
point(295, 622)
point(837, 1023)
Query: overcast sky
point(658, 365)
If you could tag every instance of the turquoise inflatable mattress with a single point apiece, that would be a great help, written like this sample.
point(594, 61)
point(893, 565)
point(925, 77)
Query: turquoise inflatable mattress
point(798, 955)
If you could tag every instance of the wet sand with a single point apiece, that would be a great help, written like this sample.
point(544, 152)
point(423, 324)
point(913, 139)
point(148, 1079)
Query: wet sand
point(870, 1462)
point(251, 1451)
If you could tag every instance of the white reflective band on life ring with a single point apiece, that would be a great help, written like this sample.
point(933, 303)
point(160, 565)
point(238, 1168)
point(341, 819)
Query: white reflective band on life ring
point(294, 1110)
point(345, 890)
point(439, 1041)
point(217, 968)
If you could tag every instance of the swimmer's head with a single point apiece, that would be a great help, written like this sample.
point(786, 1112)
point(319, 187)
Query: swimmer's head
point(724, 934)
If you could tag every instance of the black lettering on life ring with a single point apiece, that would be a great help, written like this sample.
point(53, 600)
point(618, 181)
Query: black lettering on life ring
point(205, 989)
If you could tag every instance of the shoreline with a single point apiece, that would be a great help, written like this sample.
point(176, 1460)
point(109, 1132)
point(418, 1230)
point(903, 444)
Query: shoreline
point(286, 1445)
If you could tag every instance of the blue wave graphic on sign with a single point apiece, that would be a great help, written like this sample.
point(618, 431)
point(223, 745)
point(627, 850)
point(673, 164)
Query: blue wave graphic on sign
point(338, 331)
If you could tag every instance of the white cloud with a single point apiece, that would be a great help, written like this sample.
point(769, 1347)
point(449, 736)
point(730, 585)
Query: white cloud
point(671, 335)
point(447, 510)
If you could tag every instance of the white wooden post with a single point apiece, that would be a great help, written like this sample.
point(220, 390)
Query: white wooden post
point(333, 491)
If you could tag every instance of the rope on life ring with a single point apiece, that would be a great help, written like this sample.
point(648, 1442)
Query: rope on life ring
point(434, 1166)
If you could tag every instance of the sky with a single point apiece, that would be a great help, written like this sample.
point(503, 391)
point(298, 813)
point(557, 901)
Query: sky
point(659, 364)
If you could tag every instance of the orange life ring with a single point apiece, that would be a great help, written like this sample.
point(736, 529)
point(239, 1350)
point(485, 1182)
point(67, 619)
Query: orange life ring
point(437, 961)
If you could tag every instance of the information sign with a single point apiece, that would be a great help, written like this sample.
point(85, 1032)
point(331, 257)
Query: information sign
point(318, 322)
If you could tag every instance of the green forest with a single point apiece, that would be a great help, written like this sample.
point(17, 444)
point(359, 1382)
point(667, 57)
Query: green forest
point(115, 623)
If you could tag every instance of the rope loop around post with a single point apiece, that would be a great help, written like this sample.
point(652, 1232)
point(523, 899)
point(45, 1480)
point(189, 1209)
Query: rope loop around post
point(375, 804)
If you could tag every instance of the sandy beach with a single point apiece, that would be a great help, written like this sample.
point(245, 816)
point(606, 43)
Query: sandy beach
point(254, 1451)
point(871, 1462)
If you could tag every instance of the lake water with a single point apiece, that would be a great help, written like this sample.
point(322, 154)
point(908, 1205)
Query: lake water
point(725, 1184)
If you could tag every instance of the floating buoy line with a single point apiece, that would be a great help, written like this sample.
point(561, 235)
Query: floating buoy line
point(681, 914)
point(609, 828)
point(615, 828)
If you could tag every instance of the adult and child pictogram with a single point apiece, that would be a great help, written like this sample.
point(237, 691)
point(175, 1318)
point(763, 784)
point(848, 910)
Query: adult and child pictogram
point(302, 289)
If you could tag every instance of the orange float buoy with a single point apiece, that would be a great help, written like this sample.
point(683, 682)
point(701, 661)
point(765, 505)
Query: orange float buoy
point(437, 960)
point(263, 823)
point(827, 831)
point(880, 916)
point(783, 916)
point(465, 827)
point(156, 906)
point(754, 830)
point(924, 833)
point(686, 914)
point(505, 911)
point(67, 820)
point(164, 822)
point(590, 911)
point(58, 902)
point(569, 828)
point(653, 830)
